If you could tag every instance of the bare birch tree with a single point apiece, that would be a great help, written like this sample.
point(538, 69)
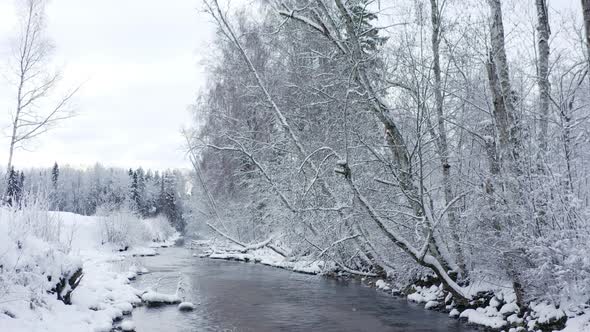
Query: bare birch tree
point(36, 111)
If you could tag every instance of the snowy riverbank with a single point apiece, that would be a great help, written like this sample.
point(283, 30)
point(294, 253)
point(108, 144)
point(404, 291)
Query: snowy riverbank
point(493, 308)
point(38, 249)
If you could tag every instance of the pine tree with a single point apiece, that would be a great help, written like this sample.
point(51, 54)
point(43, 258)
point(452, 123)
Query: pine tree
point(20, 185)
point(12, 186)
point(134, 193)
point(169, 200)
point(55, 175)
point(368, 34)
point(140, 197)
point(54, 195)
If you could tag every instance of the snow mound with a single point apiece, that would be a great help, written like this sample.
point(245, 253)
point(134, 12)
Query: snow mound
point(128, 325)
point(155, 298)
point(509, 308)
point(426, 294)
point(480, 316)
point(431, 304)
point(578, 324)
point(547, 313)
point(382, 285)
point(186, 306)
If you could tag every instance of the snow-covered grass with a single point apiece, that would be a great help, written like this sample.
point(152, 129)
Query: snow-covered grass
point(38, 249)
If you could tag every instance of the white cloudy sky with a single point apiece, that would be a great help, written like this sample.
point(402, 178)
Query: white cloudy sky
point(139, 60)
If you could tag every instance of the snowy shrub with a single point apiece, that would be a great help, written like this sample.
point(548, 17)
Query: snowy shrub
point(32, 217)
point(159, 228)
point(561, 272)
point(33, 261)
point(120, 227)
point(123, 228)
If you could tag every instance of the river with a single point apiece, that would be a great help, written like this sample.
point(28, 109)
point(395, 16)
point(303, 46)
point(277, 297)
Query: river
point(233, 296)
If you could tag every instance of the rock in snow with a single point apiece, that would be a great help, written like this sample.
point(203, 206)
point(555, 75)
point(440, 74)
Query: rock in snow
point(480, 317)
point(152, 297)
point(128, 325)
point(186, 306)
point(382, 285)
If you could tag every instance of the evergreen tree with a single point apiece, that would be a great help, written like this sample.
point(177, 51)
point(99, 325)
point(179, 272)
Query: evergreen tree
point(20, 185)
point(170, 200)
point(368, 34)
point(134, 193)
point(55, 175)
point(54, 194)
point(12, 186)
point(140, 197)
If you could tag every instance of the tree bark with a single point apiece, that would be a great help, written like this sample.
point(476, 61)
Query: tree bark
point(441, 139)
point(507, 121)
point(586, 15)
point(543, 31)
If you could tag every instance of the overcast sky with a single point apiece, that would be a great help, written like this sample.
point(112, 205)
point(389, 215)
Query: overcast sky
point(139, 60)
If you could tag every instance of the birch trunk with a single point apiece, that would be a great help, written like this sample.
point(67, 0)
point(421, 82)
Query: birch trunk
point(508, 127)
point(507, 122)
point(441, 139)
point(543, 72)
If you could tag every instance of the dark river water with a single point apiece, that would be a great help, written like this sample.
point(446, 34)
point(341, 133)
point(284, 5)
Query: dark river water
point(233, 296)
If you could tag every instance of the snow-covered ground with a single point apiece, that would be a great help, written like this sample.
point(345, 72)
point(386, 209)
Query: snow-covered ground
point(37, 248)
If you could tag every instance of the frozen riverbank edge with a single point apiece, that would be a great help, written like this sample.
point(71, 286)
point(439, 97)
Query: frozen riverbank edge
point(491, 309)
point(33, 263)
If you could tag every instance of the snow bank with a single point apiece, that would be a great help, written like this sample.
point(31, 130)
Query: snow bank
point(128, 325)
point(578, 324)
point(267, 257)
point(481, 316)
point(37, 248)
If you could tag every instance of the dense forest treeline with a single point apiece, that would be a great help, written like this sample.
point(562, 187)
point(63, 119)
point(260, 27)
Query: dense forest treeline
point(88, 191)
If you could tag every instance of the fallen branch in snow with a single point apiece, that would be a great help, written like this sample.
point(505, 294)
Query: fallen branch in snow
point(256, 246)
point(248, 247)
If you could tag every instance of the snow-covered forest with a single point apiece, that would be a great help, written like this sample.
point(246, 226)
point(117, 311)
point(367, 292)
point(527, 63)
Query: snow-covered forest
point(406, 139)
point(437, 151)
point(88, 191)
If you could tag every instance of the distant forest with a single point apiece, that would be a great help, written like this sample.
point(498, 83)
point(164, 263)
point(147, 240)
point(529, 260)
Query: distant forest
point(92, 190)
